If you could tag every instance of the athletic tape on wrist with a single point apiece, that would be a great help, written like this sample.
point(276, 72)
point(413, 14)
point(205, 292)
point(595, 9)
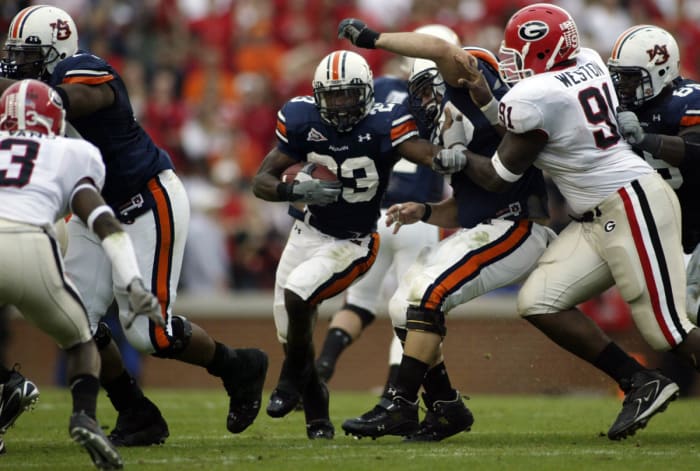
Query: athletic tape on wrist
point(490, 110)
point(502, 171)
point(120, 252)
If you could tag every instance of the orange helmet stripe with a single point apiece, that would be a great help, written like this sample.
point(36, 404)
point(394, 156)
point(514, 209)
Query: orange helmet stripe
point(18, 21)
point(621, 40)
point(335, 65)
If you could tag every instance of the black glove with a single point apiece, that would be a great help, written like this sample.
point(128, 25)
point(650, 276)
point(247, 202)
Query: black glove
point(357, 32)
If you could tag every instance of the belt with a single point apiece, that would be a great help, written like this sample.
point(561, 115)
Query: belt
point(588, 216)
point(312, 221)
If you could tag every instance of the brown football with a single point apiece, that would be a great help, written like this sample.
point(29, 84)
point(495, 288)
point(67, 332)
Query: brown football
point(316, 170)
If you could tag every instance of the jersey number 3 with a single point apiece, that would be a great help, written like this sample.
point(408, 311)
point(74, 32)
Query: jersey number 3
point(17, 158)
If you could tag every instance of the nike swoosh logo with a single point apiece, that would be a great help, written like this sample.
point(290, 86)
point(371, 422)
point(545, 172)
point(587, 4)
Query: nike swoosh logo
point(648, 391)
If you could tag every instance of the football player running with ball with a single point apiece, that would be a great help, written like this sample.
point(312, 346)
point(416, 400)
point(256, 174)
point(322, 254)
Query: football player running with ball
point(334, 241)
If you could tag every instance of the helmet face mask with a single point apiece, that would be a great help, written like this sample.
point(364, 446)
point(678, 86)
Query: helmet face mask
point(537, 38)
point(31, 105)
point(649, 54)
point(39, 38)
point(343, 89)
point(426, 89)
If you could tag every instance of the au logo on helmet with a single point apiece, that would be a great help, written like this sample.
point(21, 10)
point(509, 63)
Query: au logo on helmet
point(62, 29)
point(660, 53)
point(533, 30)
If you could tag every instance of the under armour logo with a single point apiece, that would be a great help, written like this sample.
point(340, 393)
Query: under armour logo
point(366, 137)
point(315, 136)
point(656, 118)
point(660, 53)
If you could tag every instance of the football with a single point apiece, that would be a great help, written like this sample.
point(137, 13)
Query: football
point(314, 170)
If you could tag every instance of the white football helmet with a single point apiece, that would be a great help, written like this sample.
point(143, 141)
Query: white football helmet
point(39, 38)
point(644, 60)
point(343, 89)
point(426, 88)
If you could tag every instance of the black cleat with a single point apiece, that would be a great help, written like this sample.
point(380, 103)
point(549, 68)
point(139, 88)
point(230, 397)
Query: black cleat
point(86, 432)
point(649, 393)
point(316, 400)
point(396, 416)
point(320, 429)
point(141, 425)
point(443, 419)
point(245, 389)
point(282, 402)
point(17, 395)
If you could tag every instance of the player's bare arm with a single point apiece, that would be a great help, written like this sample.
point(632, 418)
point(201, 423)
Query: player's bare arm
point(514, 156)
point(267, 179)
point(442, 214)
point(83, 100)
point(418, 150)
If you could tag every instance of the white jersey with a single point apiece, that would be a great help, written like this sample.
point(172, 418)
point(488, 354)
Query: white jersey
point(585, 155)
point(38, 174)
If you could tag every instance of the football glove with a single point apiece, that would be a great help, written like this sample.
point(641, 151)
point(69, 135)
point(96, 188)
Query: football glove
point(315, 191)
point(630, 128)
point(449, 161)
point(142, 303)
point(357, 32)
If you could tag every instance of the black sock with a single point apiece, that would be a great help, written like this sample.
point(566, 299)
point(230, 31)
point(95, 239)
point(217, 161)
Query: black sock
point(221, 359)
point(437, 384)
point(410, 377)
point(617, 364)
point(336, 341)
point(391, 379)
point(84, 389)
point(123, 392)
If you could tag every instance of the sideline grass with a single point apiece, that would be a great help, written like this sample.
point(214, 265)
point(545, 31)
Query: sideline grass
point(511, 433)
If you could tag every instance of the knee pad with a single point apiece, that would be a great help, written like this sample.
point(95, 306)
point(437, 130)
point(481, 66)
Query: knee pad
point(366, 317)
point(426, 320)
point(102, 336)
point(180, 339)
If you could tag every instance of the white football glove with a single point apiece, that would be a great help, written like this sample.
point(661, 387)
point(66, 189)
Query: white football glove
point(449, 161)
point(142, 303)
point(630, 128)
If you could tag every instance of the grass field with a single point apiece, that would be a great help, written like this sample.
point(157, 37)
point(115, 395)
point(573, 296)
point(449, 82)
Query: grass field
point(511, 433)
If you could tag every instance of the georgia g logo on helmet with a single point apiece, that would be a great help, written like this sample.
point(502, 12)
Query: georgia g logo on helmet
point(533, 30)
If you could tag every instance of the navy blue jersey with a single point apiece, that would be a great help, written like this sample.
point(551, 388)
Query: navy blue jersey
point(474, 203)
point(129, 154)
point(362, 158)
point(408, 182)
point(668, 114)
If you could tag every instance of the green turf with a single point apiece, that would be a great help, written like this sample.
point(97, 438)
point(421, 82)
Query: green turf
point(510, 433)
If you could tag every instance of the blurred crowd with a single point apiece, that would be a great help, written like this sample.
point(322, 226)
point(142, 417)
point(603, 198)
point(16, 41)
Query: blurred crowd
point(206, 78)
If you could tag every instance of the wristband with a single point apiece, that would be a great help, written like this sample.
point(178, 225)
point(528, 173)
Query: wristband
point(427, 213)
point(502, 171)
point(490, 110)
point(97, 212)
point(64, 97)
point(367, 38)
point(284, 191)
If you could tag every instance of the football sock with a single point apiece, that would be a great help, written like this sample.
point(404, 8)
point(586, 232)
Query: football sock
point(391, 378)
point(123, 392)
point(617, 363)
point(84, 389)
point(336, 341)
point(410, 377)
point(437, 384)
point(220, 361)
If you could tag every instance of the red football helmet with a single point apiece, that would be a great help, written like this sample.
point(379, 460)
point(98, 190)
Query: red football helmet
point(537, 38)
point(31, 105)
